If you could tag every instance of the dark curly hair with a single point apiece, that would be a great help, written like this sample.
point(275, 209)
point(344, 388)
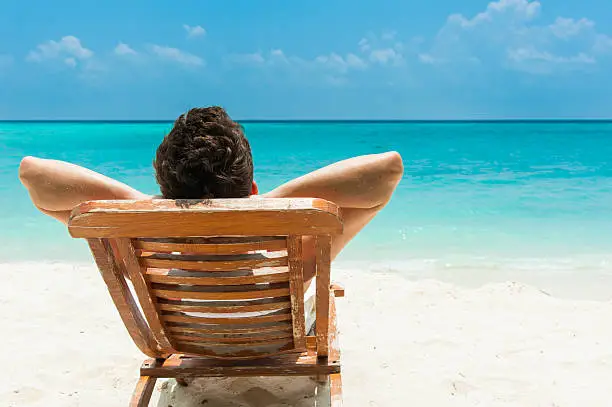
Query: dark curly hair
point(205, 156)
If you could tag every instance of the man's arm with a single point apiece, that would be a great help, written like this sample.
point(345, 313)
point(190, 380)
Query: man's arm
point(57, 186)
point(361, 186)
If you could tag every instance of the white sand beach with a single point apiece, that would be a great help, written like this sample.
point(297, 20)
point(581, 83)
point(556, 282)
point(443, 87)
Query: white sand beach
point(404, 342)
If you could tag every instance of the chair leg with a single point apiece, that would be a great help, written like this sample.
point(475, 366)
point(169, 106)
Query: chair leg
point(181, 382)
point(144, 390)
point(335, 390)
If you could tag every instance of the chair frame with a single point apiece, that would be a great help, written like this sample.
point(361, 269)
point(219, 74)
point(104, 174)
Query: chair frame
point(112, 228)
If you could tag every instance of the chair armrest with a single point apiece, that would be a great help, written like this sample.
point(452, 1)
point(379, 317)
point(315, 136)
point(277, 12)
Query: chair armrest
point(337, 289)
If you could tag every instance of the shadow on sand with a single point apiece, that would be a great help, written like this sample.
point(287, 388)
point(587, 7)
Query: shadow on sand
point(245, 391)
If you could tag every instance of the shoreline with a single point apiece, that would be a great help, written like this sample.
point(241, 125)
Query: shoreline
point(587, 277)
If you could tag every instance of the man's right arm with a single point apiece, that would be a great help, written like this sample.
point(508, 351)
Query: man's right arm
point(56, 187)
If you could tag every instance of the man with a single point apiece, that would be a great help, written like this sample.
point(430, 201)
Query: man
point(206, 155)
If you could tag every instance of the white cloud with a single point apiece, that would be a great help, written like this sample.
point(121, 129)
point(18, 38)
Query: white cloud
point(568, 27)
point(339, 63)
point(196, 31)
point(385, 56)
point(354, 61)
point(506, 34)
point(275, 57)
point(427, 59)
point(517, 10)
point(177, 55)
point(278, 57)
point(71, 62)
point(535, 61)
point(69, 49)
point(524, 54)
point(383, 50)
point(364, 45)
point(124, 49)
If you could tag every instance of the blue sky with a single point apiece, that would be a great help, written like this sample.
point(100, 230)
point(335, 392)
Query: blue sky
point(306, 60)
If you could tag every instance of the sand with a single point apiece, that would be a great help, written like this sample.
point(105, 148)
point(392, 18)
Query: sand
point(404, 341)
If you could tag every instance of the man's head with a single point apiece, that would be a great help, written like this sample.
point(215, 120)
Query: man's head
point(205, 155)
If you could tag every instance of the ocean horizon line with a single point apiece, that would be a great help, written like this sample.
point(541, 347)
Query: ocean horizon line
point(331, 121)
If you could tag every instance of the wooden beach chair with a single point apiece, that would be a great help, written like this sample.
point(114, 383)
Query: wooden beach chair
point(218, 285)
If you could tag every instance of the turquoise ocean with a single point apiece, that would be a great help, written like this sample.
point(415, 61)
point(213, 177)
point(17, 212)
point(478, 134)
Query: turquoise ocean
point(491, 196)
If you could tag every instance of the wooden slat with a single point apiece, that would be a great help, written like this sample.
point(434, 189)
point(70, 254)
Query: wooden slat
point(236, 353)
point(215, 249)
point(185, 277)
point(337, 289)
point(305, 364)
point(247, 344)
point(122, 297)
point(227, 321)
point(184, 263)
point(223, 217)
point(208, 330)
point(236, 295)
point(147, 302)
point(335, 390)
point(225, 306)
point(322, 249)
point(236, 339)
point(296, 282)
point(333, 339)
point(239, 335)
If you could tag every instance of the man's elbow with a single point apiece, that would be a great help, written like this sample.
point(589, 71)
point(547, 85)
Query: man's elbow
point(393, 169)
point(28, 169)
point(394, 165)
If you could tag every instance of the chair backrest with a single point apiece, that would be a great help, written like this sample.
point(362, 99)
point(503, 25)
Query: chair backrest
point(219, 278)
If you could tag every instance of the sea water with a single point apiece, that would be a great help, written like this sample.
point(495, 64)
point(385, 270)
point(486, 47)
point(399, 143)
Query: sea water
point(494, 196)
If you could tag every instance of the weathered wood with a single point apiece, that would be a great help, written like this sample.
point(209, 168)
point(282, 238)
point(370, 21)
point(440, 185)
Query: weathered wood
point(213, 239)
point(250, 344)
point(246, 339)
point(147, 302)
point(228, 321)
point(207, 206)
point(215, 249)
point(333, 337)
point(337, 289)
point(221, 295)
point(335, 390)
point(193, 278)
point(305, 364)
point(144, 390)
point(278, 327)
point(122, 297)
point(323, 260)
point(265, 304)
point(296, 283)
point(249, 261)
point(223, 217)
point(237, 353)
point(185, 263)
